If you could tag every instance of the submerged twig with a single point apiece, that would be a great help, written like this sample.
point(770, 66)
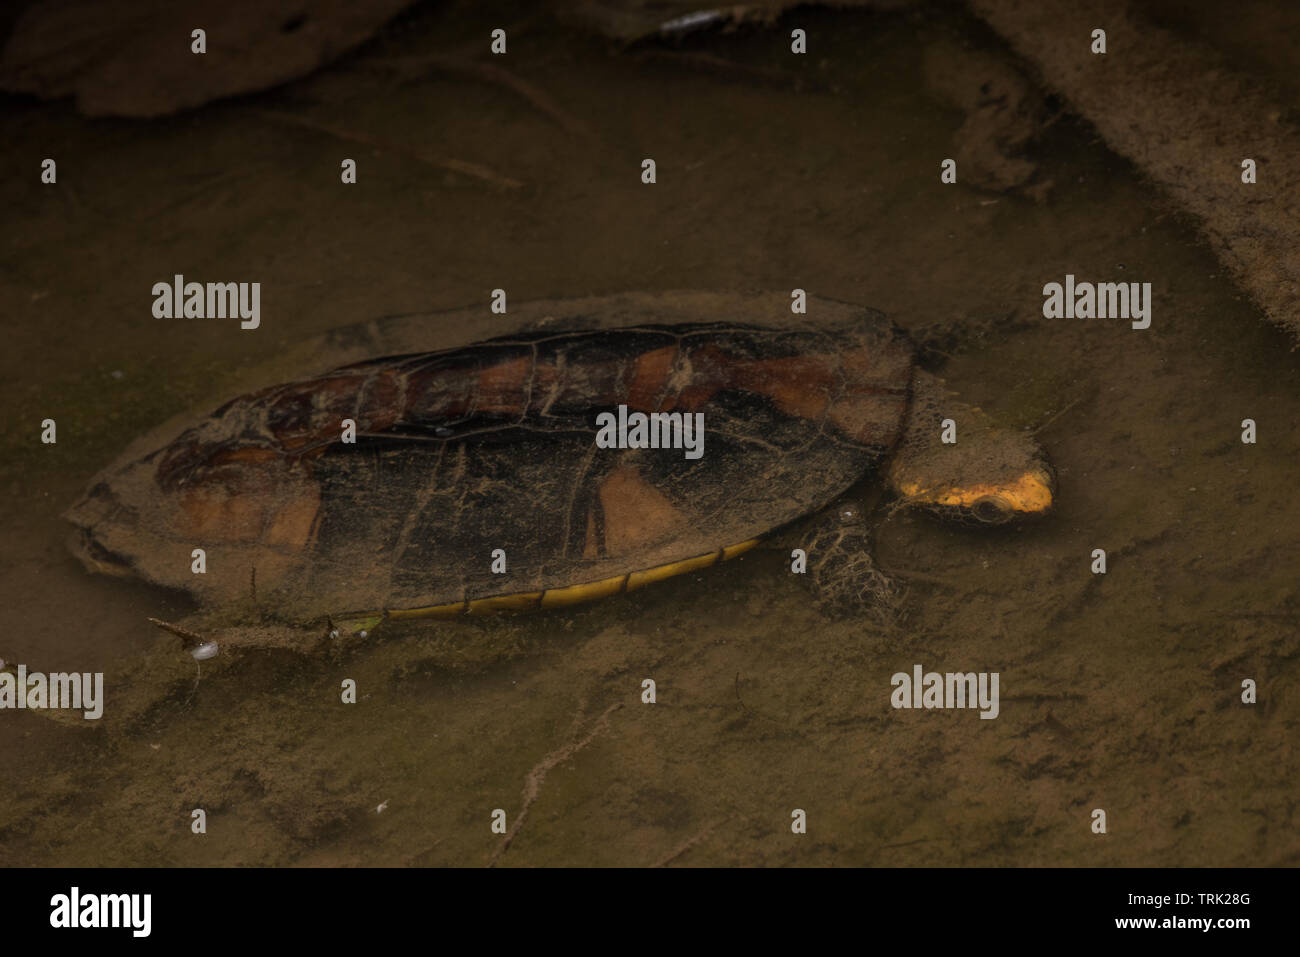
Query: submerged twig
point(533, 782)
point(475, 170)
point(685, 846)
point(413, 67)
point(710, 63)
point(1039, 428)
point(191, 639)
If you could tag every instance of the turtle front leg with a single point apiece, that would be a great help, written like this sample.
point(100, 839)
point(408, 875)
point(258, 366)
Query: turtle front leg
point(842, 575)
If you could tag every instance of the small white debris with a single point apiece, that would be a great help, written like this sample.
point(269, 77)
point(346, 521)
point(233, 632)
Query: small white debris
point(383, 807)
point(363, 634)
point(205, 651)
point(334, 633)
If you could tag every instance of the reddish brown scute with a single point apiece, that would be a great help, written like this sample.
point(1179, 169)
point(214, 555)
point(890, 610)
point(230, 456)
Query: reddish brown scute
point(493, 446)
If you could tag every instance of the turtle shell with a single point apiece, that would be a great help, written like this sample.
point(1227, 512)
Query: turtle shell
point(461, 452)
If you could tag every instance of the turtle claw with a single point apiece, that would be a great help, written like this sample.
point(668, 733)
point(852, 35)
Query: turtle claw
point(843, 577)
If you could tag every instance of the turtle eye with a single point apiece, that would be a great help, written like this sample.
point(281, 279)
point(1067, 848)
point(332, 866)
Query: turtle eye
point(992, 509)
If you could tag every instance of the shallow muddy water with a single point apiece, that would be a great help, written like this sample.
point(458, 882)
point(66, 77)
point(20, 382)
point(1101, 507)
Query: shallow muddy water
point(1119, 692)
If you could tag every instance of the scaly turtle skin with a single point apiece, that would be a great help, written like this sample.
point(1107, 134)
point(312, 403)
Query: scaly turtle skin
point(463, 451)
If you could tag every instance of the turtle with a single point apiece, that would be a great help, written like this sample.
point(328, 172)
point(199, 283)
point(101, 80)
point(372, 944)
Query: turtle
point(420, 478)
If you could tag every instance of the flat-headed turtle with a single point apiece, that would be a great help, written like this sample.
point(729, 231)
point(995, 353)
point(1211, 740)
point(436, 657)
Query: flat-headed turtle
point(476, 481)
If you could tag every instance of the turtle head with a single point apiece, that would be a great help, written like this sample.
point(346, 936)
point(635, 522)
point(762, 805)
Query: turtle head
point(988, 476)
point(1002, 497)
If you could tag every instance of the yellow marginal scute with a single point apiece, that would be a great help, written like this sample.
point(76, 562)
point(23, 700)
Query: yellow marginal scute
point(573, 594)
point(521, 601)
point(453, 610)
point(659, 573)
point(576, 594)
point(731, 551)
